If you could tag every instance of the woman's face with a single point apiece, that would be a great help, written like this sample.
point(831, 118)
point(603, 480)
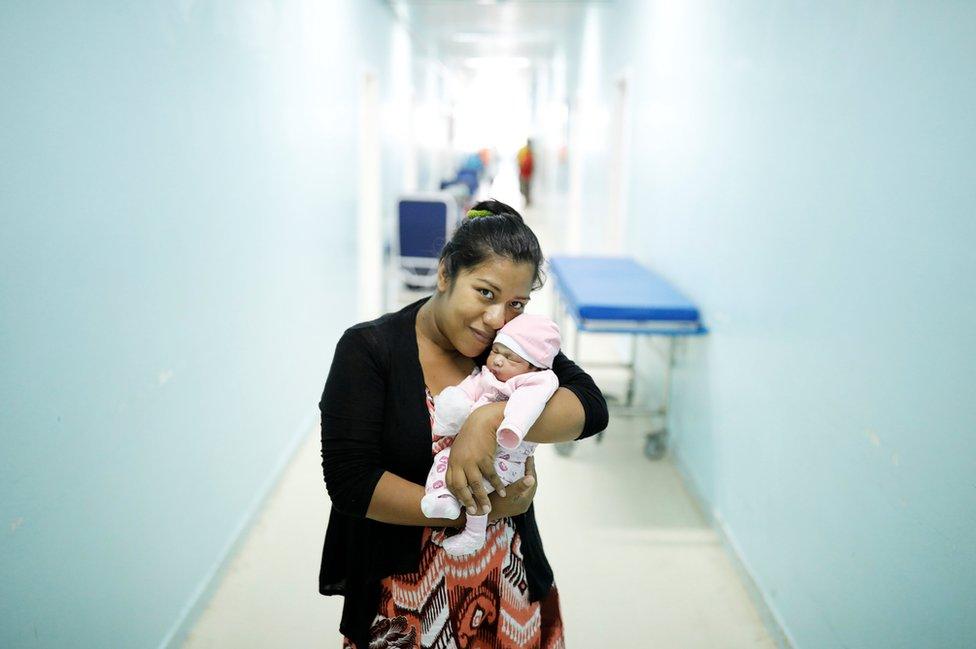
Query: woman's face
point(481, 300)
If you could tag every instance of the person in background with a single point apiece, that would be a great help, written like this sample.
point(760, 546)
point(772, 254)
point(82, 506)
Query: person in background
point(526, 166)
point(381, 553)
point(490, 161)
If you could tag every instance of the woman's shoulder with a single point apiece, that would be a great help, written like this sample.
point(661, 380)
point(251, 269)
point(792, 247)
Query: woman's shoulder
point(383, 332)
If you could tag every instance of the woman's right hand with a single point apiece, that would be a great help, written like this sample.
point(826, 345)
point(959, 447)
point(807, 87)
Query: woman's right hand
point(518, 495)
point(473, 459)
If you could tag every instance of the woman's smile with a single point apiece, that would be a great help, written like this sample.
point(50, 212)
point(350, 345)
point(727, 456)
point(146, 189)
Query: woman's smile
point(481, 337)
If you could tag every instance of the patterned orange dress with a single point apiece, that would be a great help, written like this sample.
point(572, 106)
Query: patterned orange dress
point(478, 601)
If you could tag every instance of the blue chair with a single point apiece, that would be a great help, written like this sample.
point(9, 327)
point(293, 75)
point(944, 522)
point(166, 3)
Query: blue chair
point(424, 224)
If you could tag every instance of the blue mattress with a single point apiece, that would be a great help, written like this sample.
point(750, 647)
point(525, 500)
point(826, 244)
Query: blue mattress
point(618, 288)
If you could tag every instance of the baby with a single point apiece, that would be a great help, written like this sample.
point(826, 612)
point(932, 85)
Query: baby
point(518, 370)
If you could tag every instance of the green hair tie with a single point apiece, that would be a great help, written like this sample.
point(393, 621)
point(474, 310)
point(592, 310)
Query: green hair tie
point(477, 214)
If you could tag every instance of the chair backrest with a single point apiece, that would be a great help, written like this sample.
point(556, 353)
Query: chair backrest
point(424, 222)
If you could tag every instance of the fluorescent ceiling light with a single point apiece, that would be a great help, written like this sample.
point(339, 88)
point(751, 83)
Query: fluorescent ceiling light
point(494, 37)
point(508, 62)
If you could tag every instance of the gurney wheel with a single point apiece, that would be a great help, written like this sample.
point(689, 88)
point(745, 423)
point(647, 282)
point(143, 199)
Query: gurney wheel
point(565, 448)
point(655, 446)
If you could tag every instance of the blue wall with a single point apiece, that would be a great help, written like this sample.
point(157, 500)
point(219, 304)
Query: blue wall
point(805, 172)
point(178, 200)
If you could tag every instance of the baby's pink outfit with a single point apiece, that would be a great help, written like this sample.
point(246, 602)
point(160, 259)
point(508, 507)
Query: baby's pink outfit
point(535, 339)
point(526, 396)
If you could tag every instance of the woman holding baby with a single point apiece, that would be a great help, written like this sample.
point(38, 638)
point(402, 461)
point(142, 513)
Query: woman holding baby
point(382, 430)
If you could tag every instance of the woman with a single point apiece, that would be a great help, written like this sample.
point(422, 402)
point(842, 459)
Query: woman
point(401, 588)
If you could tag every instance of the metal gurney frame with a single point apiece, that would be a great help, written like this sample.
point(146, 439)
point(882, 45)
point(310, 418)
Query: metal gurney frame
point(617, 295)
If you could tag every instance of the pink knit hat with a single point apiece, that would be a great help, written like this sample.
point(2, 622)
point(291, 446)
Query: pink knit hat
point(533, 337)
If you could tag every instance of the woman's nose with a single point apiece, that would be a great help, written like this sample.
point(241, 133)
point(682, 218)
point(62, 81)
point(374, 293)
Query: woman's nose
point(495, 316)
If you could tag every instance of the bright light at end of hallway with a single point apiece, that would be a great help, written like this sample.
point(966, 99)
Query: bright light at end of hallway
point(497, 63)
point(483, 123)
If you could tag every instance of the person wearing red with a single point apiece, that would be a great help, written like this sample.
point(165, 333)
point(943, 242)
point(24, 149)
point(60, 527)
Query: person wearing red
point(526, 164)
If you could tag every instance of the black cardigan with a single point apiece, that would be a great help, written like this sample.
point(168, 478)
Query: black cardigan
point(375, 419)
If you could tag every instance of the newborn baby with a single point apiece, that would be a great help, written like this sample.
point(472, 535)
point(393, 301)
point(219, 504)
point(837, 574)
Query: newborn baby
point(518, 370)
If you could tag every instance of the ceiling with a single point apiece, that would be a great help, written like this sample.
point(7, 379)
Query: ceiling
point(456, 30)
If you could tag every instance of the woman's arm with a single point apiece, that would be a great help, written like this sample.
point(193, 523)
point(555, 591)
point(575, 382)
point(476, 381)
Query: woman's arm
point(352, 425)
point(576, 411)
point(590, 399)
point(562, 420)
point(397, 501)
point(352, 422)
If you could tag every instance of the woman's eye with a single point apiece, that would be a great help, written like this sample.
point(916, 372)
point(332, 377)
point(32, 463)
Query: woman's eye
point(486, 293)
point(518, 306)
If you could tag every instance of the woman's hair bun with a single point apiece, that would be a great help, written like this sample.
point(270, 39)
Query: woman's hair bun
point(479, 237)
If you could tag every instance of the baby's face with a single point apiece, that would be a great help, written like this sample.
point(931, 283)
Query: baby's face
point(504, 363)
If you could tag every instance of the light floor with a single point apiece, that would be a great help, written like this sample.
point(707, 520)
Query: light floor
point(635, 561)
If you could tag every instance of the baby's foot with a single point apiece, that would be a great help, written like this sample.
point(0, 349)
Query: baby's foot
point(443, 428)
point(451, 408)
point(440, 506)
point(464, 543)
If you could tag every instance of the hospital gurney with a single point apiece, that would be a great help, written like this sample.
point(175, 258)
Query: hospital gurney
point(617, 295)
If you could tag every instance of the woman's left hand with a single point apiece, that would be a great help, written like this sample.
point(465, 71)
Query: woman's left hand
point(473, 459)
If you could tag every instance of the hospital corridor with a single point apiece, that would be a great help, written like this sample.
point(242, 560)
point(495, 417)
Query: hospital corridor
point(751, 225)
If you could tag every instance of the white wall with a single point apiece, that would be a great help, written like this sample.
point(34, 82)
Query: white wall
point(805, 173)
point(178, 202)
